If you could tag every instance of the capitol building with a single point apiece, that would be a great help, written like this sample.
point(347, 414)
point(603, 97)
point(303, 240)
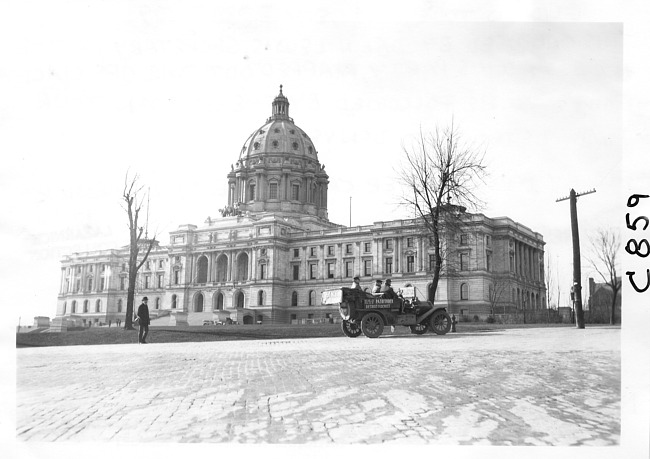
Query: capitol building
point(273, 251)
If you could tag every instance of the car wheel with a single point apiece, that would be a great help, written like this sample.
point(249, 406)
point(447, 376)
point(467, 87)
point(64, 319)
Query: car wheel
point(372, 325)
point(350, 329)
point(420, 329)
point(440, 322)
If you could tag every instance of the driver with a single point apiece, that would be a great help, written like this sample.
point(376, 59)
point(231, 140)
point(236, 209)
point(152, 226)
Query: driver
point(388, 292)
point(355, 284)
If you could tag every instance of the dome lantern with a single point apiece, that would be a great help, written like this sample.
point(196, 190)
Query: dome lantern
point(280, 107)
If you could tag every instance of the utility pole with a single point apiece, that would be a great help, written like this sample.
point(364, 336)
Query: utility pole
point(577, 286)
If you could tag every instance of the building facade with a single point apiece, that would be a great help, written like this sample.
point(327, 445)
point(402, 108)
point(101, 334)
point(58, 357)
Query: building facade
point(273, 251)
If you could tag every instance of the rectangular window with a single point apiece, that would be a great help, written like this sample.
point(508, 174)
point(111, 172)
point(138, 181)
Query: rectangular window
point(161, 280)
point(273, 191)
point(349, 267)
point(296, 253)
point(122, 282)
point(388, 245)
point(464, 261)
point(389, 265)
point(432, 261)
point(312, 251)
point(176, 277)
point(512, 263)
point(330, 270)
point(367, 267)
point(103, 268)
point(348, 249)
point(147, 266)
point(410, 264)
point(262, 271)
point(330, 250)
point(295, 192)
point(488, 261)
point(146, 281)
point(464, 239)
point(102, 284)
point(296, 272)
point(409, 242)
point(161, 264)
point(251, 192)
point(90, 284)
point(366, 247)
point(488, 240)
point(312, 270)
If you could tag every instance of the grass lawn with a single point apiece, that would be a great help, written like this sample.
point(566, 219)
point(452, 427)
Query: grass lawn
point(114, 335)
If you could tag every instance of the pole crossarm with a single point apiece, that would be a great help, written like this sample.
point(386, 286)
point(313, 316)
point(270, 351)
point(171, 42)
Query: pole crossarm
point(593, 190)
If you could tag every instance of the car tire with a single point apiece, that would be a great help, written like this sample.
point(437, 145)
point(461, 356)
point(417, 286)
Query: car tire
point(440, 322)
point(372, 325)
point(350, 328)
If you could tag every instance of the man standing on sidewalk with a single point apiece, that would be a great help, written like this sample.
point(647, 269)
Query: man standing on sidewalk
point(143, 320)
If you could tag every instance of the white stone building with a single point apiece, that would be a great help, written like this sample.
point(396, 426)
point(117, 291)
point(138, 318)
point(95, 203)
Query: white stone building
point(273, 252)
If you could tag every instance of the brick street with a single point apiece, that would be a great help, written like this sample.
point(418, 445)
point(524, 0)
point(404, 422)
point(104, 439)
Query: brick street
point(554, 386)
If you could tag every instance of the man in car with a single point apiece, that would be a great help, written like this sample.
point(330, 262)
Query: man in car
point(355, 284)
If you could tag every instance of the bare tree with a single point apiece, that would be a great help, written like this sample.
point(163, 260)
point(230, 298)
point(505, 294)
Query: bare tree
point(550, 281)
point(132, 206)
point(605, 247)
point(440, 177)
point(499, 286)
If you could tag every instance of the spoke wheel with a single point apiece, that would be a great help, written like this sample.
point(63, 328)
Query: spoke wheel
point(372, 325)
point(440, 322)
point(420, 329)
point(350, 329)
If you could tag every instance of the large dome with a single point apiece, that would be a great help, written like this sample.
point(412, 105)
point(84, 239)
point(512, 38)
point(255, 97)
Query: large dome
point(279, 135)
point(278, 170)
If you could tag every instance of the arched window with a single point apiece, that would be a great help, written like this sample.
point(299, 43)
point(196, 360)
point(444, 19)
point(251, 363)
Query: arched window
point(464, 292)
point(65, 305)
point(251, 191)
point(239, 300)
point(74, 307)
point(119, 305)
point(157, 303)
point(294, 299)
point(173, 301)
point(219, 305)
point(98, 306)
point(312, 298)
point(198, 302)
point(202, 270)
point(222, 268)
point(260, 298)
point(85, 306)
point(242, 267)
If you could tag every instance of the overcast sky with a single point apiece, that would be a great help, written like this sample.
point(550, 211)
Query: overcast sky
point(171, 90)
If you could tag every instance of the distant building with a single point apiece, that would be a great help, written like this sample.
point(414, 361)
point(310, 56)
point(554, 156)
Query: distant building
point(599, 303)
point(273, 251)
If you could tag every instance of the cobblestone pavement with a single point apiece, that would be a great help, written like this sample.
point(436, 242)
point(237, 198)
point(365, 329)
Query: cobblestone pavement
point(557, 386)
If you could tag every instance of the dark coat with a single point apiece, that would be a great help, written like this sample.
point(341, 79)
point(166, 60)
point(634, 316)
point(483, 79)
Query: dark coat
point(143, 314)
point(388, 292)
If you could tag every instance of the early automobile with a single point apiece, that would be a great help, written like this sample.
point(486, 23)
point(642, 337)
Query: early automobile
point(366, 313)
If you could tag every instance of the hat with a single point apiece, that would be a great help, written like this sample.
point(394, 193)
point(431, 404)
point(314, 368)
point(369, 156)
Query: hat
point(356, 278)
point(145, 299)
point(378, 281)
point(388, 281)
